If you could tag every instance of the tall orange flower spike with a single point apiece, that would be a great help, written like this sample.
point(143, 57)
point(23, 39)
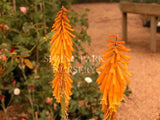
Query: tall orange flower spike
point(61, 56)
point(112, 78)
point(62, 46)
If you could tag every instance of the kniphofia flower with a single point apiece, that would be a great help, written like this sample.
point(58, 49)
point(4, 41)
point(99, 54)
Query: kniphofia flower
point(62, 45)
point(113, 77)
point(61, 56)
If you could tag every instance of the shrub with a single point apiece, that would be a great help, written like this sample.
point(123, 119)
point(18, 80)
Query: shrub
point(24, 61)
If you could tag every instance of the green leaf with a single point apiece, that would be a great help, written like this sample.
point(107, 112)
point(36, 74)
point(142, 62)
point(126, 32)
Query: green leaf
point(27, 27)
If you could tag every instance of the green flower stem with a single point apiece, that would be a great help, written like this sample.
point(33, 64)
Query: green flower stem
point(14, 5)
point(5, 111)
point(24, 75)
point(31, 103)
point(37, 43)
point(44, 18)
point(63, 109)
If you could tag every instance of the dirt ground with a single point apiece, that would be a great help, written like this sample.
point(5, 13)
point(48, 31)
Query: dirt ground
point(105, 19)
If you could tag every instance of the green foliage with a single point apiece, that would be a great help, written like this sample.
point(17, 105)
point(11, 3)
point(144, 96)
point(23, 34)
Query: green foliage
point(127, 91)
point(86, 95)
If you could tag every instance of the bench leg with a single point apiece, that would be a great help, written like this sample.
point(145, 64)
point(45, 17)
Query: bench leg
point(153, 34)
point(124, 26)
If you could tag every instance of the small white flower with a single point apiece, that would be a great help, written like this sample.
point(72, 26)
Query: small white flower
point(17, 91)
point(88, 79)
point(72, 59)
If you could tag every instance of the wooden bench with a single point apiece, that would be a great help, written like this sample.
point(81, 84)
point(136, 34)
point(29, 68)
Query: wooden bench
point(151, 9)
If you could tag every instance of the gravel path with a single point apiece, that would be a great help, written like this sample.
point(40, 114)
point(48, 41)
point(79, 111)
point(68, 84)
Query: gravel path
point(104, 19)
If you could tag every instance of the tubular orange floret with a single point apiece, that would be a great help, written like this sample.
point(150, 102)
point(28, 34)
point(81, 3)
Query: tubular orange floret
point(121, 42)
point(112, 35)
point(109, 45)
point(110, 41)
point(119, 38)
point(112, 78)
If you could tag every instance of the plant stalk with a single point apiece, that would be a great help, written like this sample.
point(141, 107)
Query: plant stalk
point(63, 108)
point(14, 5)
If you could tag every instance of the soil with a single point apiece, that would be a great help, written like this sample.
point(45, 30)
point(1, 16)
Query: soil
point(105, 19)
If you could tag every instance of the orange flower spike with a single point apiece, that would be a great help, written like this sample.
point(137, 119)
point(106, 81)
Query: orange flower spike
point(61, 41)
point(111, 79)
point(61, 56)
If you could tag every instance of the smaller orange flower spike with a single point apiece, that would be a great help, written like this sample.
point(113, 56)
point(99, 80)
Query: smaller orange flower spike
point(62, 85)
point(113, 77)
